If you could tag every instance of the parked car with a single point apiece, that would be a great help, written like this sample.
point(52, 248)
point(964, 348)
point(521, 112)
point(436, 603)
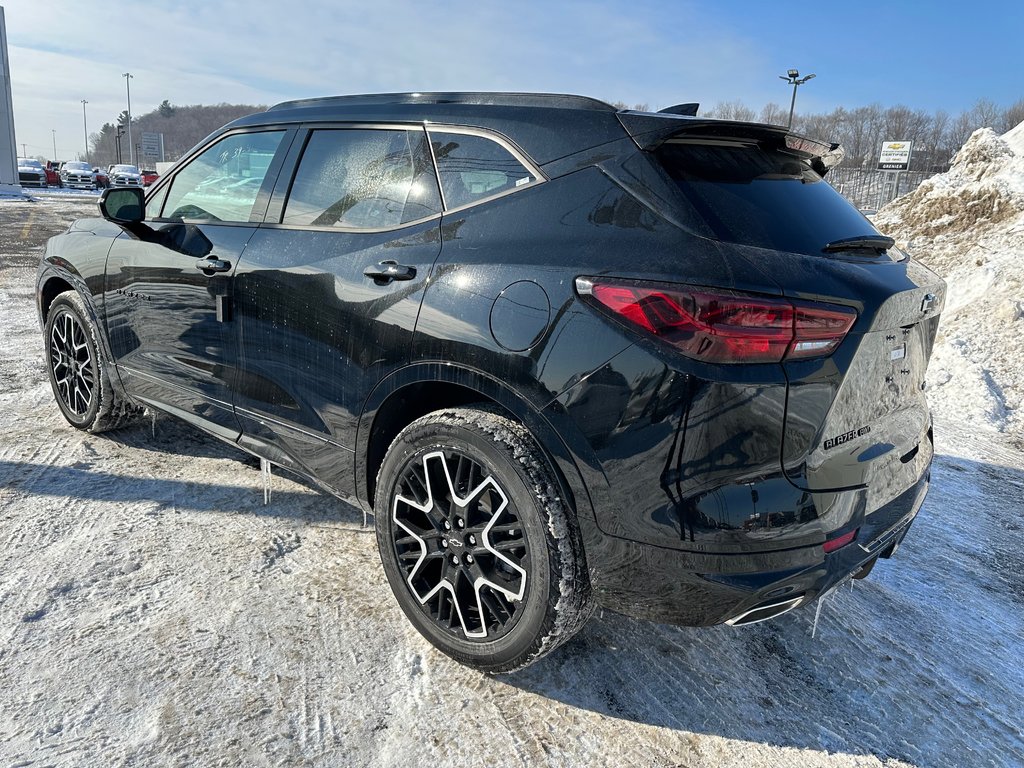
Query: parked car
point(31, 173)
point(78, 175)
point(52, 169)
point(102, 180)
point(149, 177)
point(125, 176)
point(567, 355)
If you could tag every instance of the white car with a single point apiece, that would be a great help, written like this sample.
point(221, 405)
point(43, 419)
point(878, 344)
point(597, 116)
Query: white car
point(125, 176)
point(78, 175)
point(31, 173)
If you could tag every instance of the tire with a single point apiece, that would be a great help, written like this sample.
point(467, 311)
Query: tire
point(78, 373)
point(482, 552)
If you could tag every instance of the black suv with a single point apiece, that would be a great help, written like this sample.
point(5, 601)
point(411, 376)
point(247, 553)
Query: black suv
point(570, 355)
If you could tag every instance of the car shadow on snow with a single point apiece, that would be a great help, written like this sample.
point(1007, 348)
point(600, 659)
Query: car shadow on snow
point(230, 489)
point(917, 662)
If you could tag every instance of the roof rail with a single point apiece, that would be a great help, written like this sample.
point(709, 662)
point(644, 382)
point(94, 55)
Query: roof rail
point(553, 100)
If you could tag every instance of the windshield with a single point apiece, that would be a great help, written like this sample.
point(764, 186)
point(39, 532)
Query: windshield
point(751, 194)
point(76, 166)
point(124, 169)
point(30, 163)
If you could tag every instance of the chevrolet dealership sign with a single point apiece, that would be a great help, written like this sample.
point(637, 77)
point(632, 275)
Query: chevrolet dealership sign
point(895, 156)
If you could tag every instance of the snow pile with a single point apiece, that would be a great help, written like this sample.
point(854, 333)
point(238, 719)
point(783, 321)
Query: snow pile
point(968, 225)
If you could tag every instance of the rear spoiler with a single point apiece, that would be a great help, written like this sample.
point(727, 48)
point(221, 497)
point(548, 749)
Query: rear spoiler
point(651, 130)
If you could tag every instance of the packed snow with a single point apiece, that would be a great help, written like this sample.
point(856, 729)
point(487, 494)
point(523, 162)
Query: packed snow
point(968, 225)
point(155, 611)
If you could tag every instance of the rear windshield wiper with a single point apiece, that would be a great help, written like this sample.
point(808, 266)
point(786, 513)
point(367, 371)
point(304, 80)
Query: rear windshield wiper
point(875, 243)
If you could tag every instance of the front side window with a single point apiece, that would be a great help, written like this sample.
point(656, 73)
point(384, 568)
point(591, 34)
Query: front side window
point(363, 179)
point(473, 168)
point(222, 183)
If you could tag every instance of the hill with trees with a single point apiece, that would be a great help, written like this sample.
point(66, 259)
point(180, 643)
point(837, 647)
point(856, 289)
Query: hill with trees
point(182, 126)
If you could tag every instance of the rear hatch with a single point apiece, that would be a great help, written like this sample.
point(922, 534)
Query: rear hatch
point(857, 418)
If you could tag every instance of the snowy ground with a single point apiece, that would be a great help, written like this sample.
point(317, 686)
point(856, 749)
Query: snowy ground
point(154, 612)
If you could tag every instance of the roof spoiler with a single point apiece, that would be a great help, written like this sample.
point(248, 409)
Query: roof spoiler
point(651, 130)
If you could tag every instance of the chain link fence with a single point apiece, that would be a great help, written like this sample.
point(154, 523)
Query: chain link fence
point(870, 189)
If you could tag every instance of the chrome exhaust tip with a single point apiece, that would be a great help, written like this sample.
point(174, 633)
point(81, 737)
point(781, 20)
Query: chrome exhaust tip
point(764, 612)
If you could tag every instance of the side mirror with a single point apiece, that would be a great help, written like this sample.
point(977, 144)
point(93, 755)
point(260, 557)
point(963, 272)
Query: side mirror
point(124, 205)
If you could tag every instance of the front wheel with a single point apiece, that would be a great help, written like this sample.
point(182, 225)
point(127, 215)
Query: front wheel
point(78, 374)
point(478, 543)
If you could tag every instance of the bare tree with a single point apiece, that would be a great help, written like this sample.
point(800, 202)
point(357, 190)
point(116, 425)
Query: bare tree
point(1012, 117)
point(732, 110)
point(773, 114)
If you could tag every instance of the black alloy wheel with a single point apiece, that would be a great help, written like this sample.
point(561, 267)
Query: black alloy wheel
point(478, 545)
point(460, 544)
point(77, 372)
point(73, 367)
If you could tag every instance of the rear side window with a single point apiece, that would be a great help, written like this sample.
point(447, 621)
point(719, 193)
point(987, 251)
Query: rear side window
point(473, 168)
point(222, 183)
point(755, 195)
point(363, 179)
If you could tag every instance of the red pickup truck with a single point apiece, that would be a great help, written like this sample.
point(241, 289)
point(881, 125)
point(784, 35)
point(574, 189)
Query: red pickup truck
point(53, 174)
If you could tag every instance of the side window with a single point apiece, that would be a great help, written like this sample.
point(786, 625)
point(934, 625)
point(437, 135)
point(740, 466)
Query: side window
point(473, 168)
point(222, 183)
point(363, 179)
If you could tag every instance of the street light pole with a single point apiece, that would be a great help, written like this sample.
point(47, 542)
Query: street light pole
point(793, 78)
point(85, 126)
point(127, 84)
point(54, 132)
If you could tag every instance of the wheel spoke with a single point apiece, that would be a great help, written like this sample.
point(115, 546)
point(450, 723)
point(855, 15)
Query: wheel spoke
point(460, 544)
point(71, 363)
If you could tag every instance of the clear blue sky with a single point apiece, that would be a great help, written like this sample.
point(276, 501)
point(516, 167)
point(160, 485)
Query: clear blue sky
point(927, 55)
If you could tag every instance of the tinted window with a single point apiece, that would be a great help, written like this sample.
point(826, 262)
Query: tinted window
point(363, 179)
point(222, 183)
point(473, 168)
point(760, 196)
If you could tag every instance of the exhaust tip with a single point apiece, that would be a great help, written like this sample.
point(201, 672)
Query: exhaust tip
point(764, 612)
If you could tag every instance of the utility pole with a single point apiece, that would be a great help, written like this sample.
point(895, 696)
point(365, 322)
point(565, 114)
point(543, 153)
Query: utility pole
point(85, 126)
point(795, 80)
point(127, 84)
point(54, 132)
point(118, 134)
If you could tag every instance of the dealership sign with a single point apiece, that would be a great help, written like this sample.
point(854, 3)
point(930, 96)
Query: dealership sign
point(895, 156)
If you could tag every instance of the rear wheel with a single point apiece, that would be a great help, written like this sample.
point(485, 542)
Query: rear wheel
point(78, 374)
point(480, 549)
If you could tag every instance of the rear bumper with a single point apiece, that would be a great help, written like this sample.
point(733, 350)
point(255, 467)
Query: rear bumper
point(696, 589)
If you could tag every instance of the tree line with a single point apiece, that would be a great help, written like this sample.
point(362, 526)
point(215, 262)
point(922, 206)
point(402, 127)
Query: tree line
point(861, 130)
point(182, 126)
point(936, 135)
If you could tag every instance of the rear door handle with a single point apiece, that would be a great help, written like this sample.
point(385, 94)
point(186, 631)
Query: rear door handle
point(211, 265)
point(387, 271)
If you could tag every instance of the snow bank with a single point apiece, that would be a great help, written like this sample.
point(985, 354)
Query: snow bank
point(968, 225)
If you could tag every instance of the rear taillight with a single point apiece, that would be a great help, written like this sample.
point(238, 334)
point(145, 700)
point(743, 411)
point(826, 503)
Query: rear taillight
point(722, 326)
point(840, 541)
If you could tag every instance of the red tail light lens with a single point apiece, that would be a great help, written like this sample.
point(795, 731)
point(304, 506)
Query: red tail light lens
point(840, 541)
point(722, 326)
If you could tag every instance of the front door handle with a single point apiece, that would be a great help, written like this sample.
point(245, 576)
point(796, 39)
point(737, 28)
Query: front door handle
point(210, 265)
point(387, 271)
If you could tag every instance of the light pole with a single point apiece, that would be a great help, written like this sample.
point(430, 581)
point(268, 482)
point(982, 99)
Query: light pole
point(793, 78)
point(54, 132)
point(127, 84)
point(85, 126)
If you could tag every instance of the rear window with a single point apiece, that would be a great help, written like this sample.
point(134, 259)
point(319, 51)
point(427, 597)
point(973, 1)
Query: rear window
point(755, 195)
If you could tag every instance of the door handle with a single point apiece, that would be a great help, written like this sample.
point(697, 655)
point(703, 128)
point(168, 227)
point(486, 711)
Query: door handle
point(211, 264)
point(387, 271)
